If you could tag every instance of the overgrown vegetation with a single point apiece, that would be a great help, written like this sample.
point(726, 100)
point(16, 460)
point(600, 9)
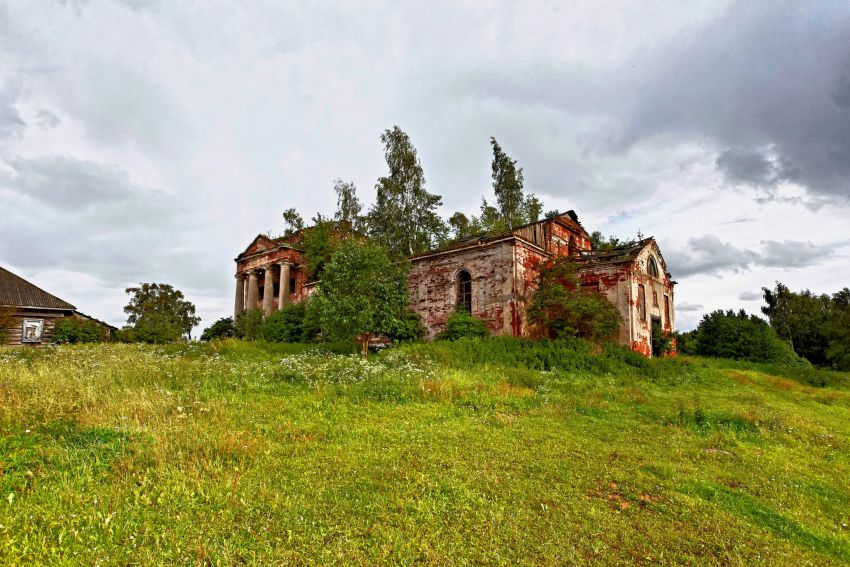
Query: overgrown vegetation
point(221, 329)
point(249, 324)
point(816, 326)
point(560, 307)
point(601, 242)
point(739, 336)
point(462, 325)
point(362, 295)
point(72, 330)
point(285, 325)
point(497, 451)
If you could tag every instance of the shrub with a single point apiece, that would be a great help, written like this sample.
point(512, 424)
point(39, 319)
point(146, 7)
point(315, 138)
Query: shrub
point(285, 325)
point(686, 343)
point(544, 354)
point(743, 337)
point(221, 329)
point(125, 335)
point(249, 324)
point(156, 329)
point(561, 307)
point(75, 330)
point(461, 324)
point(311, 325)
point(410, 327)
point(662, 343)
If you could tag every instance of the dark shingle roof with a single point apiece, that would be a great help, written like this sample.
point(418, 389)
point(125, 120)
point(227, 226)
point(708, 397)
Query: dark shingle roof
point(18, 292)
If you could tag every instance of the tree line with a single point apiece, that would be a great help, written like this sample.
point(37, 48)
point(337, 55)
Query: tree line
point(404, 217)
point(800, 326)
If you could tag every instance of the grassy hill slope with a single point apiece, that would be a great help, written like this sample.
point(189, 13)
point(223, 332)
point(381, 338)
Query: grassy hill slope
point(496, 453)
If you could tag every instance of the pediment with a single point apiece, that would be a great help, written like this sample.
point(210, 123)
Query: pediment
point(260, 244)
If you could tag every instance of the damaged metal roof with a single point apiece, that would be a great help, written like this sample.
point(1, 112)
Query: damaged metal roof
point(618, 255)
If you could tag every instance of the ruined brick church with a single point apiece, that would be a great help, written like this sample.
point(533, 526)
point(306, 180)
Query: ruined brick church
point(488, 276)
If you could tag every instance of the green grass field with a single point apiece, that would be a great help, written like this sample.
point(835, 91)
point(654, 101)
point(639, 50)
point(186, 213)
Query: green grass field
point(470, 453)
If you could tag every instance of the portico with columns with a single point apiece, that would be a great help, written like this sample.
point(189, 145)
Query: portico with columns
point(270, 274)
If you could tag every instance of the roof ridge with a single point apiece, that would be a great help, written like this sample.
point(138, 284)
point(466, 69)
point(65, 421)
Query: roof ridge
point(18, 292)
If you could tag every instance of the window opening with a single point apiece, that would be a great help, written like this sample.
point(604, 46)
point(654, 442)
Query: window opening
point(653, 267)
point(464, 291)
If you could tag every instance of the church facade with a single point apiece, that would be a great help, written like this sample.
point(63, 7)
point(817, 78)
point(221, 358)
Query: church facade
point(491, 278)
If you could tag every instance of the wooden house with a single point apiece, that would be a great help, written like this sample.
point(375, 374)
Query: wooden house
point(28, 313)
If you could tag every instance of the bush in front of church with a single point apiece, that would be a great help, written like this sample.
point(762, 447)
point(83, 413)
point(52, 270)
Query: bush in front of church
point(285, 325)
point(462, 325)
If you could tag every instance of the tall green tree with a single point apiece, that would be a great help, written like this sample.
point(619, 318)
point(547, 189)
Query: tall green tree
point(490, 219)
point(600, 242)
point(348, 206)
point(460, 225)
point(800, 318)
point(362, 294)
point(159, 313)
point(292, 220)
point(404, 216)
point(532, 208)
point(507, 186)
point(838, 331)
point(318, 242)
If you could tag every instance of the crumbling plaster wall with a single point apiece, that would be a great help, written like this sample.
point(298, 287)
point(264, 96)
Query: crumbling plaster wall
point(659, 288)
point(614, 283)
point(433, 285)
point(527, 260)
point(620, 284)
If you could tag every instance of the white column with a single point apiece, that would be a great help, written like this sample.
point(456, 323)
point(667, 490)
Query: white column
point(253, 290)
point(268, 290)
point(239, 307)
point(283, 295)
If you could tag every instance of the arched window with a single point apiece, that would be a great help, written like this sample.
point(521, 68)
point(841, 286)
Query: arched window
point(464, 291)
point(652, 268)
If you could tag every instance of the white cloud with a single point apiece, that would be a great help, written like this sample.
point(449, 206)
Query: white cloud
point(149, 141)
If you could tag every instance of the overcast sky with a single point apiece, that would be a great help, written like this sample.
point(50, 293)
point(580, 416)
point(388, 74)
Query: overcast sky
point(152, 140)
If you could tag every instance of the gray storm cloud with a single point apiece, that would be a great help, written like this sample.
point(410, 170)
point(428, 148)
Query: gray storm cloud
point(708, 254)
point(146, 140)
point(764, 74)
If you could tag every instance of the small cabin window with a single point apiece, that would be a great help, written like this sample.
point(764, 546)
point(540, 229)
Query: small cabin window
point(464, 291)
point(652, 268)
point(654, 298)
